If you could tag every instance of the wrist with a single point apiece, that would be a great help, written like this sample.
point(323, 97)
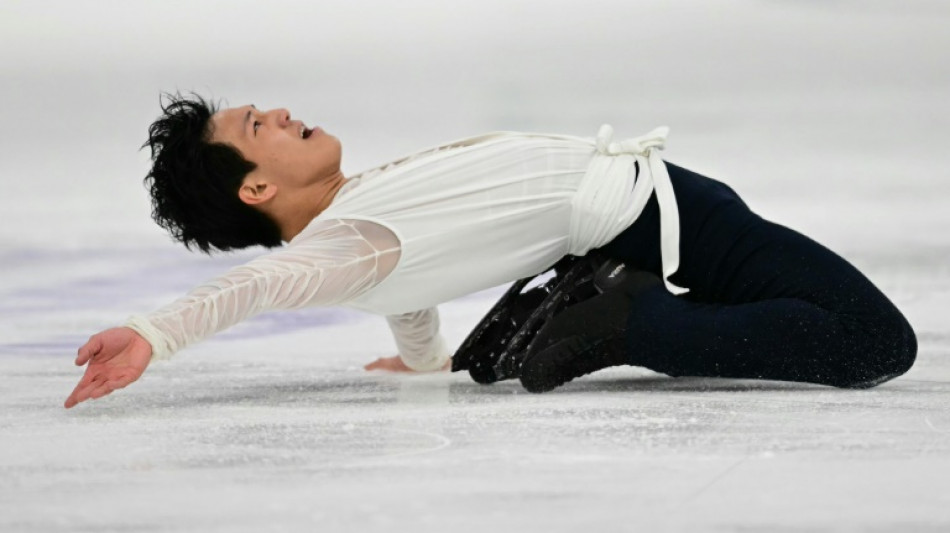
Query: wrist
point(149, 335)
point(435, 358)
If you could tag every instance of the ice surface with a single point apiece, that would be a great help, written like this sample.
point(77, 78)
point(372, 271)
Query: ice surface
point(830, 117)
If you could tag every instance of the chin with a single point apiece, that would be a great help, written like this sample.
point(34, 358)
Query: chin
point(337, 150)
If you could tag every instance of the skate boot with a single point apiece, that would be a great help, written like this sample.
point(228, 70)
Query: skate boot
point(586, 337)
point(494, 349)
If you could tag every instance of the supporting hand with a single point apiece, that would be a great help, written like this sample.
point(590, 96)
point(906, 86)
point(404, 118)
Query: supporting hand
point(395, 364)
point(116, 357)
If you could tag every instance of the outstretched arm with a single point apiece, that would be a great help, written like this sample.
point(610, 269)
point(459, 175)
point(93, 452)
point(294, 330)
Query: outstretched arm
point(329, 264)
point(116, 357)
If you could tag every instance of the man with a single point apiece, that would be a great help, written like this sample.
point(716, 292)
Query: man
point(762, 301)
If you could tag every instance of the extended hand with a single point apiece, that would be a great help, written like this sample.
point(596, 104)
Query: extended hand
point(116, 357)
point(395, 364)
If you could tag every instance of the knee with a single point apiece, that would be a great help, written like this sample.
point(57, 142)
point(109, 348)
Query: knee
point(893, 353)
point(903, 344)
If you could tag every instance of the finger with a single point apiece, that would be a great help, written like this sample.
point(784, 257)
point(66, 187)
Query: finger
point(397, 366)
point(70, 401)
point(73, 397)
point(389, 364)
point(78, 396)
point(86, 351)
point(91, 375)
point(85, 387)
point(90, 383)
point(100, 391)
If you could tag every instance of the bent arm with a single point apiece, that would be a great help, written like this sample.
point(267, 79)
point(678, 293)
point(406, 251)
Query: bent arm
point(420, 345)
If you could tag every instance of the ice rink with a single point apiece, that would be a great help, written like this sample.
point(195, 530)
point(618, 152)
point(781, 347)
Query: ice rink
point(829, 117)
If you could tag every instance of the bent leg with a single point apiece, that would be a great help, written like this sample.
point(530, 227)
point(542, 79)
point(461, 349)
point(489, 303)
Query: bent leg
point(788, 339)
point(766, 302)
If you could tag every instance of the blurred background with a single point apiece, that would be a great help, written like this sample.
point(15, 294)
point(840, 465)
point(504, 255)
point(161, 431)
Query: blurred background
point(828, 116)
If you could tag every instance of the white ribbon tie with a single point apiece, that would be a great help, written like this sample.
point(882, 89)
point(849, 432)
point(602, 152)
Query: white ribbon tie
point(645, 148)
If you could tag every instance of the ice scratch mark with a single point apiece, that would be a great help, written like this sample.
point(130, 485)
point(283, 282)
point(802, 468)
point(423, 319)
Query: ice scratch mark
point(695, 495)
point(934, 428)
point(444, 442)
point(386, 458)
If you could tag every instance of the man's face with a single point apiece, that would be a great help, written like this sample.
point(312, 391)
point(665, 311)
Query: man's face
point(286, 152)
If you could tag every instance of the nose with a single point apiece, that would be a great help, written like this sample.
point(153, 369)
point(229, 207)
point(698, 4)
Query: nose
point(280, 116)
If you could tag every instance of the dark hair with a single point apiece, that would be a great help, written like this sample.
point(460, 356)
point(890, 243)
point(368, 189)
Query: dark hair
point(194, 182)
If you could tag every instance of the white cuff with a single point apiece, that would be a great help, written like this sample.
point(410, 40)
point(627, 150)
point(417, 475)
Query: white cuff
point(433, 359)
point(141, 325)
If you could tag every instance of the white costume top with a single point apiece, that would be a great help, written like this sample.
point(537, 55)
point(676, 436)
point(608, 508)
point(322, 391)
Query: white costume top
point(445, 222)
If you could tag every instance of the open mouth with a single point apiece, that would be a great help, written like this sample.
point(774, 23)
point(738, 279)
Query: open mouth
point(305, 132)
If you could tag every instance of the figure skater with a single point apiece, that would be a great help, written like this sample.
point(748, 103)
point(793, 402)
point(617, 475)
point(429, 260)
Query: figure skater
point(720, 291)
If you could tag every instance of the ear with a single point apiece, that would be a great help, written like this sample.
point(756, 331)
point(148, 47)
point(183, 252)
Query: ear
point(256, 191)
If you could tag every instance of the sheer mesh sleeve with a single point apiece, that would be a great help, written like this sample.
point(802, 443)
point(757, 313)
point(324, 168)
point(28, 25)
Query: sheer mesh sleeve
point(420, 345)
point(329, 263)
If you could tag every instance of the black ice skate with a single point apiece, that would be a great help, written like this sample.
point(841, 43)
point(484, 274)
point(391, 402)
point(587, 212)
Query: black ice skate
point(587, 337)
point(495, 349)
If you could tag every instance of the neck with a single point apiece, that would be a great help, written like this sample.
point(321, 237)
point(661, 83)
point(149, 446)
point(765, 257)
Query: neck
point(302, 206)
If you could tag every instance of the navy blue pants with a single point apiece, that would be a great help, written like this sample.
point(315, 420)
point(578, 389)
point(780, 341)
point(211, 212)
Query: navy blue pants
point(765, 302)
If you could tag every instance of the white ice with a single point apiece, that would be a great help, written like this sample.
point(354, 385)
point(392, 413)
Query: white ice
point(830, 117)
